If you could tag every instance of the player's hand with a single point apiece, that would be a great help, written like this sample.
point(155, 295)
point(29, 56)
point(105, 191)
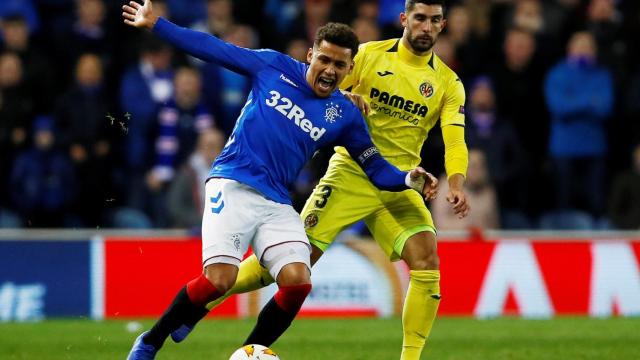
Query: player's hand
point(140, 16)
point(357, 100)
point(423, 182)
point(458, 200)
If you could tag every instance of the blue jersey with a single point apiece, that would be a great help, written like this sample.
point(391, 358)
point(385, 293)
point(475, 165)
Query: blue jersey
point(283, 122)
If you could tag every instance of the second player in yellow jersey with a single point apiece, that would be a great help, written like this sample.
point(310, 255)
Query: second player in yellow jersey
point(407, 95)
point(407, 89)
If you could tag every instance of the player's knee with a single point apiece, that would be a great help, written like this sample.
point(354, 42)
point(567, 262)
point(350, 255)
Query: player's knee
point(294, 274)
point(221, 280)
point(221, 283)
point(420, 252)
point(201, 290)
point(432, 261)
point(427, 261)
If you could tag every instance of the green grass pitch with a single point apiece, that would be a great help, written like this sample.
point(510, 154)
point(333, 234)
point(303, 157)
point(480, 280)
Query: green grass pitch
point(352, 339)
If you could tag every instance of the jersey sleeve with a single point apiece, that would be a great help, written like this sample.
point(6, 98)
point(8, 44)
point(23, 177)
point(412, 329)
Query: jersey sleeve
point(453, 107)
point(211, 49)
point(357, 141)
point(351, 79)
point(456, 155)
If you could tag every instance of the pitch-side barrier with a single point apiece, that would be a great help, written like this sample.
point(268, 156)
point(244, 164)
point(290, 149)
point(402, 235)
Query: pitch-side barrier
point(134, 274)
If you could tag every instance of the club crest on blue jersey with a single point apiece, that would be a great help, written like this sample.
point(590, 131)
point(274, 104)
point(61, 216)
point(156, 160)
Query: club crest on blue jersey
point(426, 89)
point(332, 112)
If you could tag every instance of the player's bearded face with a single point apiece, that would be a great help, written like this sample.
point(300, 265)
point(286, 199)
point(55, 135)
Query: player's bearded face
point(328, 65)
point(422, 26)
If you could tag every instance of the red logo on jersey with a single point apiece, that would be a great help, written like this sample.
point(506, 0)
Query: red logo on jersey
point(426, 89)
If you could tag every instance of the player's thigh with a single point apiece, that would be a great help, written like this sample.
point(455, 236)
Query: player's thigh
point(404, 214)
point(420, 251)
point(280, 240)
point(228, 221)
point(338, 201)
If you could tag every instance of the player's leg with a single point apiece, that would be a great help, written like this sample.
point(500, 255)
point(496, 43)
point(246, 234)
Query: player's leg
point(227, 229)
point(190, 301)
point(404, 229)
point(423, 296)
point(250, 272)
point(343, 196)
point(294, 284)
point(252, 276)
point(282, 246)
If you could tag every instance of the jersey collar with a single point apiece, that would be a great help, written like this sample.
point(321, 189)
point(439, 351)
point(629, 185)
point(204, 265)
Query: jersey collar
point(415, 60)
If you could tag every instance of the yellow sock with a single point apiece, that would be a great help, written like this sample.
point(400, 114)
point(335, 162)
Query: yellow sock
point(251, 276)
point(419, 312)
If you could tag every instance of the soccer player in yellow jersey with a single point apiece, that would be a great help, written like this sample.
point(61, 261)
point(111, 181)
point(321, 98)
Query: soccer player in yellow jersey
point(406, 89)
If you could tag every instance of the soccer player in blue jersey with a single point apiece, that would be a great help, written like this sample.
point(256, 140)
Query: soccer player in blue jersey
point(293, 110)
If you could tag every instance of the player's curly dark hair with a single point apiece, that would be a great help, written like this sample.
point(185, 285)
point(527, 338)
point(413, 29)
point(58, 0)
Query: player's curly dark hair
point(338, 34)
point(410, 4)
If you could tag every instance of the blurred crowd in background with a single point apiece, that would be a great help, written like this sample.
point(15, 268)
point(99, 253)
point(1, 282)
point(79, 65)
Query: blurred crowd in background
point(102, 125)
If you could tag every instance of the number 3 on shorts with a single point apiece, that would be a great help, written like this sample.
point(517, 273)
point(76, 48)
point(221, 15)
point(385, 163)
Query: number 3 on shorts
point(325, 192)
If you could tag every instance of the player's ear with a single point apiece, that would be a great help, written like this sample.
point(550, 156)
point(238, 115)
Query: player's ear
point(444, 24)
point(309, 55)
point(403, 19)
point(353, 63)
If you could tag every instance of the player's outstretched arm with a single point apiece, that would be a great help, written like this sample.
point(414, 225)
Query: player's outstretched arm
point(199, 44)
point(384, 175)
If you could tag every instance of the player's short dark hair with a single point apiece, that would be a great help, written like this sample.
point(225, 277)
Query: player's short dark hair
point(410, 4)
point(338, 34)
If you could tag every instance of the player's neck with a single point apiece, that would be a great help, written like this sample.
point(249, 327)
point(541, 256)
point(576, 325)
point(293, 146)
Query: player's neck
point(410, 56)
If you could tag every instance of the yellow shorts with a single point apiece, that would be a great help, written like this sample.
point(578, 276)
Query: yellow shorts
point(345, 196)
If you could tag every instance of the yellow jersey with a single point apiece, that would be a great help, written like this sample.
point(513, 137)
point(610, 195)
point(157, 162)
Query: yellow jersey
point(407, 94)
